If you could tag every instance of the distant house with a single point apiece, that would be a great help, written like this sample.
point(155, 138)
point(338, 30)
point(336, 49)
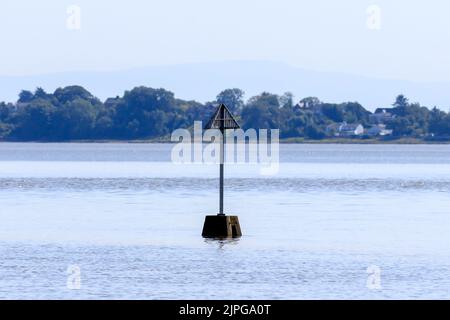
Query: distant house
point(350, 130)
point(382, 116)
point(345, 130)
point(332, 130)
point(378, 130)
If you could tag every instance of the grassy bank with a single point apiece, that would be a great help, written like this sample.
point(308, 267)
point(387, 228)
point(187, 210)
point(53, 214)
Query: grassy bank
point(364, 141)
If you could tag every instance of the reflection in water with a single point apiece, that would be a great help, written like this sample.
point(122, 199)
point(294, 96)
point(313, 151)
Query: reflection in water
point(221, 243)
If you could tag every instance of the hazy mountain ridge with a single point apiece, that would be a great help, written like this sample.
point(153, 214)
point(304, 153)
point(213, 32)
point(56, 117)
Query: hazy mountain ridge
point(203, 81)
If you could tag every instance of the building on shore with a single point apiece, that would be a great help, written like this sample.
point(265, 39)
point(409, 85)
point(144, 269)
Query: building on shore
point(345, 129)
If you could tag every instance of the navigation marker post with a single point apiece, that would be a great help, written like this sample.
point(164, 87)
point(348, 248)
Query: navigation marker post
point(221, 225)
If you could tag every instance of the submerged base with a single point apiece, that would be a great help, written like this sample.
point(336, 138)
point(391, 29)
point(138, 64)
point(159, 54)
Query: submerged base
point(221, 226)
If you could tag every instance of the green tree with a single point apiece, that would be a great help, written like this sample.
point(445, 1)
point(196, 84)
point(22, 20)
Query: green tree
point(401, 126)
point(232, 98)
point(25, 96)
point(401, 101)
point(400, 105)
point(439, 123)
point(262, 112)
point(40, 93)
point(5, 120)
point(72, 93)
point(74, 113)
point(355, 113)
point(287, 100)
point(314, 132)
point(333, 112)
point(310, 102)
point(76, 120)
point(146, 112)
point(35, 121)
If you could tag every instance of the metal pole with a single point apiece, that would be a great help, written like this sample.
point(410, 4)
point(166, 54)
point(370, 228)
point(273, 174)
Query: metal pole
point(222, 159)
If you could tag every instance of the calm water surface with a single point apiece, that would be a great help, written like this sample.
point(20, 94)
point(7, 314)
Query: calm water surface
point(131, 221)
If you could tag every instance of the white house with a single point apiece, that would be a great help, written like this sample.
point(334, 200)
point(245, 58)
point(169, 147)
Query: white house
point(350, 130)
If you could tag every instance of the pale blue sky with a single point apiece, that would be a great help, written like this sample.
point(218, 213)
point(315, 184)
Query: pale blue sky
point(325, 35)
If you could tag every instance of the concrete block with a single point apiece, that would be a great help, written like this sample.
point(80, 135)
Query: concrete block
point(221, 226)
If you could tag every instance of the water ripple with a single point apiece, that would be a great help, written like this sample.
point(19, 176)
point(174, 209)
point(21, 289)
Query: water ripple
point(163, 184)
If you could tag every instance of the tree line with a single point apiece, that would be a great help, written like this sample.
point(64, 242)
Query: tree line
point(73, 113)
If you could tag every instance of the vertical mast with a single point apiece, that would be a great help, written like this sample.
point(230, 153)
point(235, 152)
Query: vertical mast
point(222, 157)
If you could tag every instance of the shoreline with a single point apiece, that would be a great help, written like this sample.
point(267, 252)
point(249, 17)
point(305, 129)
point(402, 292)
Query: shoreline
point(400, 141)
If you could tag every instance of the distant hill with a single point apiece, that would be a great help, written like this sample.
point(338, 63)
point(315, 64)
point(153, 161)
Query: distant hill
point(202, 82)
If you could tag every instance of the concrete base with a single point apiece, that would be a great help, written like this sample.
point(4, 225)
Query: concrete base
point(221, 226)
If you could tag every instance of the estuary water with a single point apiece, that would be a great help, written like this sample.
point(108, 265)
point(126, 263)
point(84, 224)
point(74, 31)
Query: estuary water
point(121, 221)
